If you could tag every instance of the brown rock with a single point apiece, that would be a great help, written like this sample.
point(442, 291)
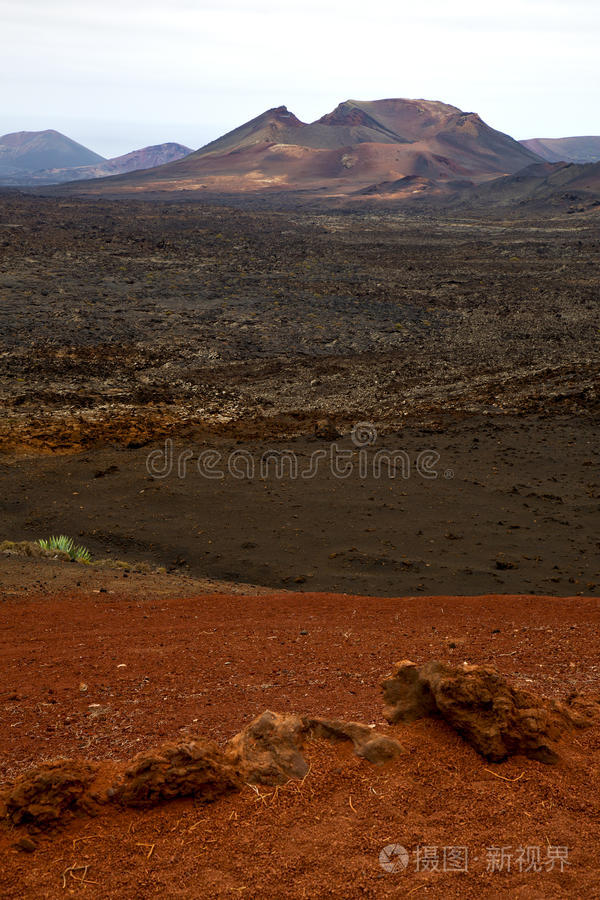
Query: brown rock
point(267, 751)
point(196, 768)
point(584, 710)
point(325, 430)
point(25, 843)
point(376, 748)
point(43, 795)
point(497, 719)
point(407, 694)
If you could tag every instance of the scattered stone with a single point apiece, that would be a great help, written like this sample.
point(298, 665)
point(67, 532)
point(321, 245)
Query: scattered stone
point(454, 642)
point(325, 430)
point(25, 843)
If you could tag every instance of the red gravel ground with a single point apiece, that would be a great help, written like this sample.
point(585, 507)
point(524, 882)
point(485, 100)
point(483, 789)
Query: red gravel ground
point(105, 672)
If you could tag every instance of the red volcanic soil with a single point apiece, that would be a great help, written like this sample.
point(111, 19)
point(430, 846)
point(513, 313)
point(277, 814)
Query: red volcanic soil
point(106, 671)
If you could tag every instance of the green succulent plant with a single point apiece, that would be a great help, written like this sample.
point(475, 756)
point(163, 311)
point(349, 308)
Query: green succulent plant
point(66, 545)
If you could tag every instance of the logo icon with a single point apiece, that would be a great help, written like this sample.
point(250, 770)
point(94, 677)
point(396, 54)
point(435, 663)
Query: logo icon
point(393, 858)
point(364, 434)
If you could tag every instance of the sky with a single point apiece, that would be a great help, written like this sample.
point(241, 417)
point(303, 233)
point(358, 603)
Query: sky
point(117, 75)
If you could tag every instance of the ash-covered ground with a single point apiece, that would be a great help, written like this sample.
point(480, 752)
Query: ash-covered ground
point(123, 323)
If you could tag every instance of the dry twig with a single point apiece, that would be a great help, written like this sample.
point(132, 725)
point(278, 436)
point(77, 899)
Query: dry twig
point(503, 777)
point(150, 851)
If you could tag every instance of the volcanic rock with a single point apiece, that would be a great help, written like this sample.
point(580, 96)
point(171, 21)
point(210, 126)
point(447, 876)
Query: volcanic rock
point(376, 748)
point(42, 796)
point(196, 768)
point(498, 720)
point(268, 751)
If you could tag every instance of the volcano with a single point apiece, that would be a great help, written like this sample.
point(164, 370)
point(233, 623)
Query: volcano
point(357, 145)
point(145, 158)
point(29, 151)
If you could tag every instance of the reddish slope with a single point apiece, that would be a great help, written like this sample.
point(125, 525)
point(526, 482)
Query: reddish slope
point(436, 127)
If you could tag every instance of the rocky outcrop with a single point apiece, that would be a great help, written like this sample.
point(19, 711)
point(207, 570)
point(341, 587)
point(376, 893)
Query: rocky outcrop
point(497, 719)
point(268, 751)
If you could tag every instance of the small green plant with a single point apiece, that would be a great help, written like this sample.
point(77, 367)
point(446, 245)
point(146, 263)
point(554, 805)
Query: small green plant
point(66, 545)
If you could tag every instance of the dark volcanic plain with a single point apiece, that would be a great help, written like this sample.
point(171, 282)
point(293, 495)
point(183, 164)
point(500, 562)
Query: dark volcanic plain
point(126, 323)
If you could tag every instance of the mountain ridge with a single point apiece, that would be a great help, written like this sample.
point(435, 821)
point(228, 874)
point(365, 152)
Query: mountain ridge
point(582, 149)
point(135, 160)
point(357, 144)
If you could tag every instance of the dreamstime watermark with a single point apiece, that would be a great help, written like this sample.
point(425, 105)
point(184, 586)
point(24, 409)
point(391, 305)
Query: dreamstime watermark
point(395, 858)
point(362, 459)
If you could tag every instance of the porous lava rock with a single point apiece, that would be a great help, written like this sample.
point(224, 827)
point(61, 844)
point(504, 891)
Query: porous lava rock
point(195, 768)
point(497, 719)
point(269, 749)
point(368, 744)
point(42, 796)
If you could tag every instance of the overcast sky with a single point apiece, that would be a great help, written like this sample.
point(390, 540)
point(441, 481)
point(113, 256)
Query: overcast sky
point(121, 74)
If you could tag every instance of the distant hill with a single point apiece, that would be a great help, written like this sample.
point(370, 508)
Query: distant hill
point(357, 145)
point(146, 158)
point(28, 151)
point(568, 184)
point(569, 149)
